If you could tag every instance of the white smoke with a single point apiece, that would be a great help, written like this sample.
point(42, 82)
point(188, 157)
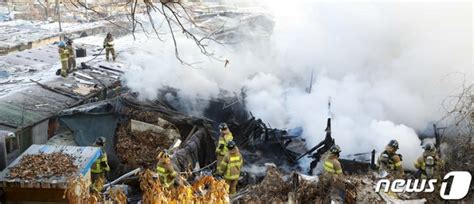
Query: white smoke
point(386, 67)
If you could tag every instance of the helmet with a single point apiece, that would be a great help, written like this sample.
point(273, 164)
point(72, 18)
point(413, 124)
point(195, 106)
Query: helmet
point(100, 141)
point(163, 155)
point(231, 144)
point(393, 143)
point(223, 126)
point(429, 147)
point(335, 149)
point(61, 44)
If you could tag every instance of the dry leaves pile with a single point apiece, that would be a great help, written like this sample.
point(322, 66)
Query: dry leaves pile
point(42, 166)
point(117, 195)
point(77, 191)
point(205, 190)
point(272, 189)
point(140, 148)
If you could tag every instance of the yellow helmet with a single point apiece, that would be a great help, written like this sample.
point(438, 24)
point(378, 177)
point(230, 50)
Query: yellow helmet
point(163, 155)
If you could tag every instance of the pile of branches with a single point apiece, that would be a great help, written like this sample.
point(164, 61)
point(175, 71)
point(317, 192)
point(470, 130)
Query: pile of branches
point(42, 166)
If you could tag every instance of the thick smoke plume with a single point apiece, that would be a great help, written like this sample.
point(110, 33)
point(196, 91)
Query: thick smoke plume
point(386, 67)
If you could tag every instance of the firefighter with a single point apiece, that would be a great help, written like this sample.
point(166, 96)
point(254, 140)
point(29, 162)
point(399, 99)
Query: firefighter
point(109, 47)
point(429, 164)
point(64, 56)
point(224, 138)
point(332, 178)
point(100, 166)
point(389, 160)
point(332, 165)
point(230, 167)
point(165, 170)
point(72, 56)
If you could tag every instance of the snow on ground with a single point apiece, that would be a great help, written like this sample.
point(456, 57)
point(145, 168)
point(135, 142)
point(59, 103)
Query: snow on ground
point(17, 32)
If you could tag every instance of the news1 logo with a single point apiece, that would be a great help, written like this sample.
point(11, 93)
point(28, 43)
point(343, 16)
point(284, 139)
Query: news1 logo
point(455, 185)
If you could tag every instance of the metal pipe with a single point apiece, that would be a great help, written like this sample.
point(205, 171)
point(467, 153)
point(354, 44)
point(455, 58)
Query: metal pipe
point(131, 173)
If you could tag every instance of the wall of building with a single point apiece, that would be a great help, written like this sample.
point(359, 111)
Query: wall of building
point(40, 133)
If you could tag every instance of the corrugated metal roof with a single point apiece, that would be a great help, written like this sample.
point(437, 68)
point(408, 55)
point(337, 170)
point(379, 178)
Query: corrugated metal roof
point(24, 102)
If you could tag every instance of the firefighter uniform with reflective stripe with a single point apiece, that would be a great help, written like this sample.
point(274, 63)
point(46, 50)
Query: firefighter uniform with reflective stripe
point(391, 161)
point(332, 165)
point(98, 170)
point(64, 56)
point(230, 168)
point(331, 181)
point(221, 150)
point(166, 172)
point(429, 164)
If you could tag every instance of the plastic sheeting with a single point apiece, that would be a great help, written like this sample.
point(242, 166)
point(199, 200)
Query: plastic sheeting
point(87, 122)
point(86, 127)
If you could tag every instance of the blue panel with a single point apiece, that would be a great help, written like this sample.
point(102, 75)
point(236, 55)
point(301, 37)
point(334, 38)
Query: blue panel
point(91, 161)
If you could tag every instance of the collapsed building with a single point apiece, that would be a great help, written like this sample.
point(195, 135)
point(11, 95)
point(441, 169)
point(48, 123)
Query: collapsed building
point(136, 130)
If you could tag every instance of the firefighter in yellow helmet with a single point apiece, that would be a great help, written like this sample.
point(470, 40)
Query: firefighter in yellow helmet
point(230, 167)
point(224, 138)
point(64, 57)
point(389, 160)
point(332, 178)
point(332, 165)
point(165, 170)
point(429, 164)
point(109, 46)
point(100, 166)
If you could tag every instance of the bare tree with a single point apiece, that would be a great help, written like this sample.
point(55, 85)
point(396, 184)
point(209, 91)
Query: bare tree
point(460, 110)
point(45, 5)
point(176, 16)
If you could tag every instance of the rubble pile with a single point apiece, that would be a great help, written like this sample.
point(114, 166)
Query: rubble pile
point(307, 191)
point(140, 148)
point(363, 187)
point(273, 188)
point(41, 166)
point(277, 187)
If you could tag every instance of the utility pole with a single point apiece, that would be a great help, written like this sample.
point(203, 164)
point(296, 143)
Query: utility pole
point(58, 15)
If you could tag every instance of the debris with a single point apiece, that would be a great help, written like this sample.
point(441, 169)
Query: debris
point(140, 149)
point(117, 195)
point(77, 191)
point(83, 89)
point(40, 166)
point(139, 126)
point(272, 189)
point(205, 190)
